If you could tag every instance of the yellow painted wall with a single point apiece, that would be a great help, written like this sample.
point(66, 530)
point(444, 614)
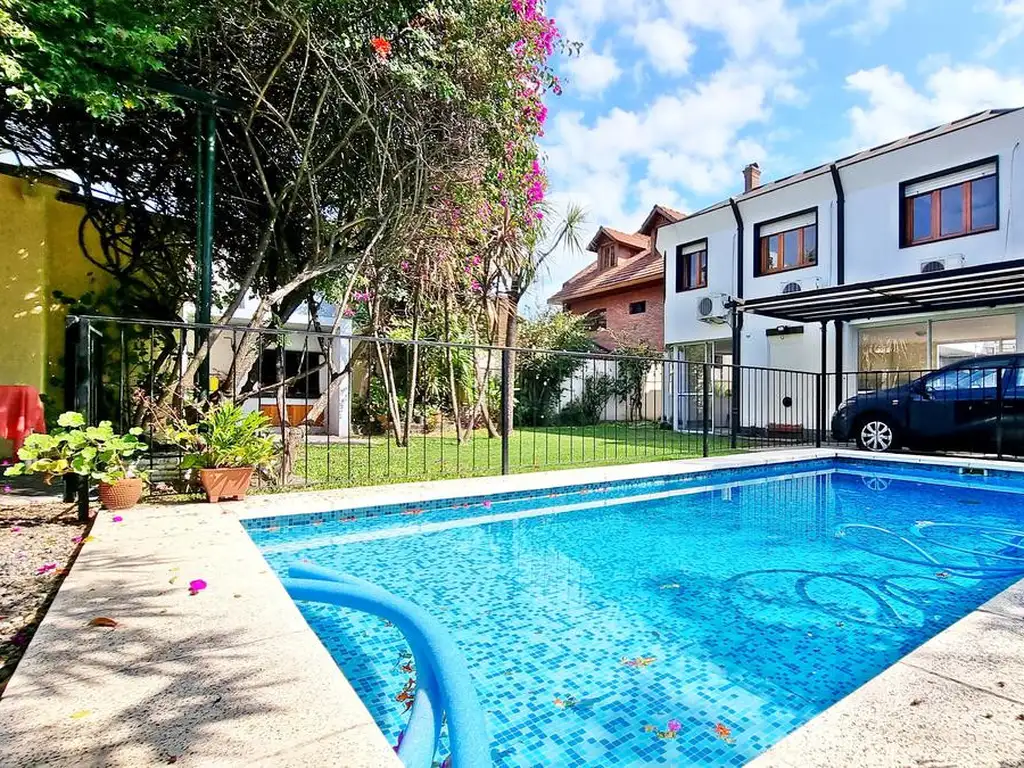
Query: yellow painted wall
point(39, 253)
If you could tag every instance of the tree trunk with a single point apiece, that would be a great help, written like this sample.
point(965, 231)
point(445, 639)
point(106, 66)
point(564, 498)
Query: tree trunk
point(410, 401)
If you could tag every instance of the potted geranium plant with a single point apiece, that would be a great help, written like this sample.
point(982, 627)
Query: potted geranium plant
point(225, 445)
point(98, 453)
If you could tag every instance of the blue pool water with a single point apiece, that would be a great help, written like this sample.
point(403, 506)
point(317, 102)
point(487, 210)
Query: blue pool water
point(752, 599)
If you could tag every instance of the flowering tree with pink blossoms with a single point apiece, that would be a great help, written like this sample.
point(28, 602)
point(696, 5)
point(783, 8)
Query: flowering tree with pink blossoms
point(382, 155)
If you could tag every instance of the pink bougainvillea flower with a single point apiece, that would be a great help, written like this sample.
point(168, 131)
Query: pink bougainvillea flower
point(7, 489)
point(675, 726)
point(117, 518)
point(15, 529)
point(196, 586)
point(46, 568)
point(487, 505)
point(77, 539)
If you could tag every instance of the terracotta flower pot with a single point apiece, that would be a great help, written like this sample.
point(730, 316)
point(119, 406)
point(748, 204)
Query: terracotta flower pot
point(225, 483)
point(121, 494)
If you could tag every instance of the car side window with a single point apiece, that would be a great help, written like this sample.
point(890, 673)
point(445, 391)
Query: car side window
point(963, 378)
point(941, 382)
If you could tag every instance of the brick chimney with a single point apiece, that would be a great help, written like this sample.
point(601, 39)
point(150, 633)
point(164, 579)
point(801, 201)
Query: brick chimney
point(751, 177)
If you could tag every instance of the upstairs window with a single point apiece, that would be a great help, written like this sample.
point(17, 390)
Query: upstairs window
point(691, 266)
point(953, 204)
point(606, 257)
point(637, 307)
point(790, 243)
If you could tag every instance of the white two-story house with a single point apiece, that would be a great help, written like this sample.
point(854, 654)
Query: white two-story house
point(938, 200)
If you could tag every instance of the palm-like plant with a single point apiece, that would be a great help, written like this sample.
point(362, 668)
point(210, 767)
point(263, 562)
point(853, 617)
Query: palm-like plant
point(518, 264)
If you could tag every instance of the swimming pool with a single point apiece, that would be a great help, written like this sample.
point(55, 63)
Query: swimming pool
point(690, 620)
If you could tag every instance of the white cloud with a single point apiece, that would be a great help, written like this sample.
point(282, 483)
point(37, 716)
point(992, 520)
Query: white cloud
point(749, 27)
point(895, 108)
point(876, 16)
point(1010, 15)
point(668, 46)
point(592, 72)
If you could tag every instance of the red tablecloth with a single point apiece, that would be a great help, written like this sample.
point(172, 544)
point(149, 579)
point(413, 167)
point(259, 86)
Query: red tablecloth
point(21, 414)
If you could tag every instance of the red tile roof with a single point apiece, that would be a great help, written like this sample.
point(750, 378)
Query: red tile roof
point(636, 241)
point(645, 267)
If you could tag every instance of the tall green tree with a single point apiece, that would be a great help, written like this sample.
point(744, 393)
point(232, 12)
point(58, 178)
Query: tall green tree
point(96, 53)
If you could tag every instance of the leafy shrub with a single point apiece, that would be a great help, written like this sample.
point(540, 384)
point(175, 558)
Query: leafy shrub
point(540, 374)
point(224, 436)
point(588, 407)
point(73, 448)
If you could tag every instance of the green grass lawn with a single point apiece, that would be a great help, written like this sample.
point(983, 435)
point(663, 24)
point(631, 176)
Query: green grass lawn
point(531, 450)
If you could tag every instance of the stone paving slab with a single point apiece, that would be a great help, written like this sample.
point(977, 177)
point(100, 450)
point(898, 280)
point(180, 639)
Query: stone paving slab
point(230, 676)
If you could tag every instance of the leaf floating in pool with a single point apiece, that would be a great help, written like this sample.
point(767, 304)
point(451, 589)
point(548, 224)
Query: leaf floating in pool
point(407, 694)
point(724, 733)
point(669, 586)
point(413, 511)
point(567, 703)
point(102, 621)
point(670, 732)
point(487, 504)
point(347, 520)
point(942, 575)
point(639, 662)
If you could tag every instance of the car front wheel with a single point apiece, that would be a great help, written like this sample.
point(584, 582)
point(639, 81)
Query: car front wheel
point(877, 435)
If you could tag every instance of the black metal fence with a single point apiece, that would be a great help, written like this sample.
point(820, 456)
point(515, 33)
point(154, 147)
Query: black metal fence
point(354, 410)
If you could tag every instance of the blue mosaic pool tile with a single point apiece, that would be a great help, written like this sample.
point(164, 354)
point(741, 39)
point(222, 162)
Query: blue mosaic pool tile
point(757, 614)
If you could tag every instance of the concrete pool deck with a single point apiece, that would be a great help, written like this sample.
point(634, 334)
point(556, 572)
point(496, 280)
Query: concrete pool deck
point(234, 676)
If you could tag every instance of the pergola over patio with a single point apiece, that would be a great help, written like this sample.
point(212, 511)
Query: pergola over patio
point(989, 285)
point(981, 287)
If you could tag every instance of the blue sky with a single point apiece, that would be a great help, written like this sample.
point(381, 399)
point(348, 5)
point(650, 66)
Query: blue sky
point(671, 98)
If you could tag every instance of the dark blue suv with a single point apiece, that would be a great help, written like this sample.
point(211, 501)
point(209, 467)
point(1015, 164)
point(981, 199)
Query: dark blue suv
point(973, 405)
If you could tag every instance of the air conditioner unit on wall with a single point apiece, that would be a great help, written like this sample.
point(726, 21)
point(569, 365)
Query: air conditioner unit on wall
point(796, 286)
point(713, 308)
point(952, 261)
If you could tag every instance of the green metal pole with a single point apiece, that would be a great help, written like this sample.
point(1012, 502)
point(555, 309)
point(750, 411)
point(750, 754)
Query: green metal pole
point(206, 155)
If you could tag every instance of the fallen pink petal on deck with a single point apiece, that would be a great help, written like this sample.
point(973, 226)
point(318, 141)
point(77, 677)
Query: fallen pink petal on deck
point(117, 518)
point(196, 586)
point(15, 529)
point(46, 568)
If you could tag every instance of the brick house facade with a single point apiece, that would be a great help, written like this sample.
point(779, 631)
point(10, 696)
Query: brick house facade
point(623, 290)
